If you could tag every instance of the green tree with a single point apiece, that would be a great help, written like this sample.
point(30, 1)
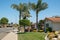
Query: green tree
point(40, 24)
point(38, 7)
point(25, 22)
point(4, 21)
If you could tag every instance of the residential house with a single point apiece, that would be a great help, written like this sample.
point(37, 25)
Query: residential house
point(53, 22)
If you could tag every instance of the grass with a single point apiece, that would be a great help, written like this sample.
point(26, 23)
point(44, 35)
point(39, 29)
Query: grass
point(31, 36)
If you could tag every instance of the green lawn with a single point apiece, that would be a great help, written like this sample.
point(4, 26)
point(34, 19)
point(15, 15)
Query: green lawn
point(31, 36)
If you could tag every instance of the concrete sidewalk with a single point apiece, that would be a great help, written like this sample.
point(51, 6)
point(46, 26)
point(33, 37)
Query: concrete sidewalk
point(10, 36)
point(2, 35)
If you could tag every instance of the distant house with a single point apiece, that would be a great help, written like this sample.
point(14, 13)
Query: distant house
point(6, 25)
point(33, 26)
point(53, 22)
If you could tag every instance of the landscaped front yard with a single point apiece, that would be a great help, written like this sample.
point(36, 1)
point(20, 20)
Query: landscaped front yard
point(31, 36)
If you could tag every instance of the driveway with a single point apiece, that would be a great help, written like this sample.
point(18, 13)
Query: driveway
point(10, 36)
point(2, 35)
point(4, 32)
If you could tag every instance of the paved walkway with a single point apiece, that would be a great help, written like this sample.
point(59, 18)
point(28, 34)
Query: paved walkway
point(10, 36)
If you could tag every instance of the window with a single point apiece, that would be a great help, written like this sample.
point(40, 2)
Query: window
point(47, 25)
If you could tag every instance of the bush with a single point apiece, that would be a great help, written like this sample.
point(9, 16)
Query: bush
point(40, 31)
point(49, 29)
point(35, 30)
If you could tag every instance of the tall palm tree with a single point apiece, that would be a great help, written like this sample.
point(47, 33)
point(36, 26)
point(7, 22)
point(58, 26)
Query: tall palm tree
point(23, 9)
point(25, 14)
point(38, 7)
point(18, 8)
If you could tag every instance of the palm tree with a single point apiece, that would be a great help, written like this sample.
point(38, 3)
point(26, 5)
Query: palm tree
point(38, 7)
point(18, 8)
point(26, 14)
point(23, 10)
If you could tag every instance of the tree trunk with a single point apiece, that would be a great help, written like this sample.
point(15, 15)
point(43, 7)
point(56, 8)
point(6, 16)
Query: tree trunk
point(28, 29)
point(37, 20)
point(24, 28)
point(20, 15)
point(19, 19)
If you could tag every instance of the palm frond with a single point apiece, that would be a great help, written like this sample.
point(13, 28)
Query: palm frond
point(38, 4)
point(14, 6)
point(21, 6)
point(33, 6)
point(26, 14)
point(44, 6)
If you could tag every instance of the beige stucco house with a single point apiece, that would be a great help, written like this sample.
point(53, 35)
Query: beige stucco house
point(53, 22)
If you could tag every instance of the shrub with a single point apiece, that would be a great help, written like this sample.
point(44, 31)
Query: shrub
point(49, 29)
point(40, 31)
point(35, 30)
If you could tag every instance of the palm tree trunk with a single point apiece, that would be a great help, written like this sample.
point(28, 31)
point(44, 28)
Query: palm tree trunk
point(37, 20)
point(20, 16)
point(19, 19)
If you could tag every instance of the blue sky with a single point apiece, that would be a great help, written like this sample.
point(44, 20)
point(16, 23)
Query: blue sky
point(13, 15)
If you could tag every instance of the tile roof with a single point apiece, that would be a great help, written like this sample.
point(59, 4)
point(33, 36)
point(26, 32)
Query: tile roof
point(54, 19)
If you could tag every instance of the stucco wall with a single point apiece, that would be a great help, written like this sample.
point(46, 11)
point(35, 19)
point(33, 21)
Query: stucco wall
point(49, 22)
point(56, 26)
